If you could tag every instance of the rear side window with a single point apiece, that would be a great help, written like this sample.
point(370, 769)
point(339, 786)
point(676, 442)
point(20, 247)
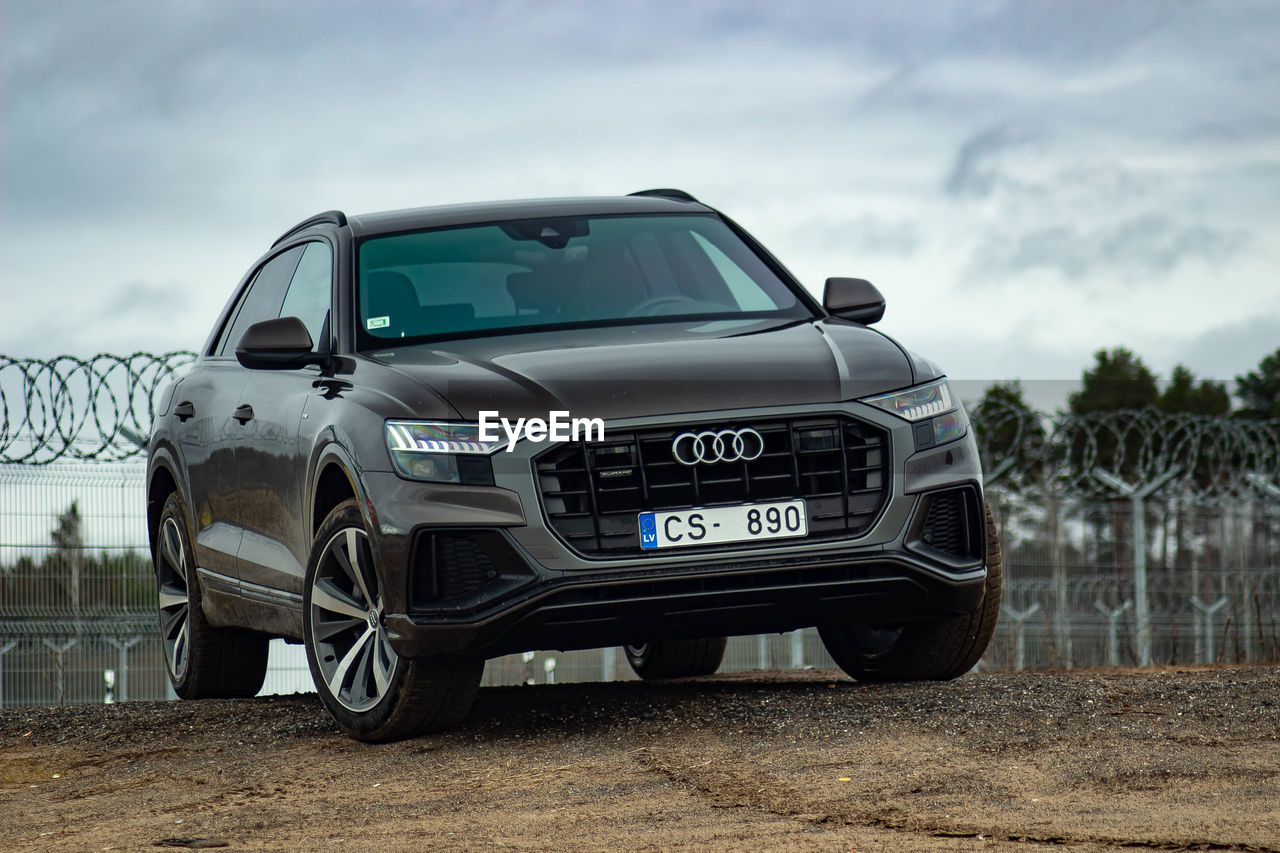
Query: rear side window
point(309, 292)
point(263, 298)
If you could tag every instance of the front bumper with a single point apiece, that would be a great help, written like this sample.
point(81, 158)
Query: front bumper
point(521, 588)
point(597, 610)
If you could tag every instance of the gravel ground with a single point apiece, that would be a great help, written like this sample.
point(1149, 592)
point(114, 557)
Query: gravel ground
point(1165, 759)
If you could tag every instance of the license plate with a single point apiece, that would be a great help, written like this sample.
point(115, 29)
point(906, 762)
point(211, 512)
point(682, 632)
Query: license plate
point(713, 525)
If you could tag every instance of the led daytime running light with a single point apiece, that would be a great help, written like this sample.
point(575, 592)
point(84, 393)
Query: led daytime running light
point(918, 403)
point(437, 437)
point(941, 403)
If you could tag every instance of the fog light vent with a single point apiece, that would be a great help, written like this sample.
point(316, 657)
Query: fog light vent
point(450, 566)
point(948, 524)
point(461, 565)
point(944, 525)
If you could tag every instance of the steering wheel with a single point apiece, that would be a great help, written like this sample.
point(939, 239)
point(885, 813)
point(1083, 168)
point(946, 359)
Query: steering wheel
point(653, 302)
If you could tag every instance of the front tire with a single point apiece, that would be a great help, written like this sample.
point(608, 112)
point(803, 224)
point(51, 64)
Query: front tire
point(658, 659)
point(202, 662)
point(371, 692)
point(922, 651)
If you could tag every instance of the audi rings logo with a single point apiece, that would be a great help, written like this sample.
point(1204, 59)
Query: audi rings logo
point(727, 445)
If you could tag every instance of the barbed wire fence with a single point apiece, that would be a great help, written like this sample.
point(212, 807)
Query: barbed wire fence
point(1129, 538)
point(77, 618)
point(1134, 537)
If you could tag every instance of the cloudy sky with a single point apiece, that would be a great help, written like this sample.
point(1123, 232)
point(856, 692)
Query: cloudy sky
point(1026, 181)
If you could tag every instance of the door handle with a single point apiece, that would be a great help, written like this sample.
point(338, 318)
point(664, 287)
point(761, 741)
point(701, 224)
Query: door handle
point(244, 413)
point(184, 411)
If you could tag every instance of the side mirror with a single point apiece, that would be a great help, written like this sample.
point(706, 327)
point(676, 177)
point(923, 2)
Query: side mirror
point(277, 344)
point(853, 299)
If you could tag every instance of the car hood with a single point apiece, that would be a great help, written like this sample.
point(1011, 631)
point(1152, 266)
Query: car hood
point(634, 371)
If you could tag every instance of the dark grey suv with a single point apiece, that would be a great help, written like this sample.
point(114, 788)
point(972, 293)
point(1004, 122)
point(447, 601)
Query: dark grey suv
point(416, 440)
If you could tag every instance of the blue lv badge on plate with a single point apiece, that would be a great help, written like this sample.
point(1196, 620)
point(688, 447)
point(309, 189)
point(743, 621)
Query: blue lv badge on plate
point(648, 531)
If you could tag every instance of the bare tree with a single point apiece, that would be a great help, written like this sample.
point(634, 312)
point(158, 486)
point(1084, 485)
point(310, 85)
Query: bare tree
point(68, 540)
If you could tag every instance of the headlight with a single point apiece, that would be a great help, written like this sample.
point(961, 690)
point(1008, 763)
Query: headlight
point(441, 452)
point(938, 416)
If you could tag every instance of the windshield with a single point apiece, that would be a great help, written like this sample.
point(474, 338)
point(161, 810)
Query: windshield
point(532, 273)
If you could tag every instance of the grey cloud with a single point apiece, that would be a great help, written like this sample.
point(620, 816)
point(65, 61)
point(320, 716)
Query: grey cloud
point(1148, 243)
point(1219, 352)
point(974, 172)
point(134, 106)
point(1064, 31)
point(863, 233)
point(139, 296)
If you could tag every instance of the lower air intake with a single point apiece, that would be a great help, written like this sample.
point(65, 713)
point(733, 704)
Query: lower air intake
point(949, 523)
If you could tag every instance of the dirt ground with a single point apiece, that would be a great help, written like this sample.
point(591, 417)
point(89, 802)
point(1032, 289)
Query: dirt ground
point(1165, 759)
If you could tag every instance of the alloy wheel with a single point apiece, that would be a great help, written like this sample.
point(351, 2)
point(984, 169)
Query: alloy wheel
point(349, 640)
point(172, 578)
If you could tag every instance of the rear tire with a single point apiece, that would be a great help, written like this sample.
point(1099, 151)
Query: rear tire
point(371, 692)
point(922, 651)
point(202, 662)
point(676, 658)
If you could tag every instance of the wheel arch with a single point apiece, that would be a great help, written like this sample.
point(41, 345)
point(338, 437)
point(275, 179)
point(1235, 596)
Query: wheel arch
point(161, 482)
point(332, 483)
point(333, 486)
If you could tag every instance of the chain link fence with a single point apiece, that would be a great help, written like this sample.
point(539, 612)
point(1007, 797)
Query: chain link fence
point(1129, 538)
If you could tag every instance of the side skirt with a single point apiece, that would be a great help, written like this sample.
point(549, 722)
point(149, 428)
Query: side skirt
point(232, 603)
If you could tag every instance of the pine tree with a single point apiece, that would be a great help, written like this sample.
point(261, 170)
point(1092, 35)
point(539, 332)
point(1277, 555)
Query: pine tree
point(1185, 395)
point(1118, 380)
point(1259, 390)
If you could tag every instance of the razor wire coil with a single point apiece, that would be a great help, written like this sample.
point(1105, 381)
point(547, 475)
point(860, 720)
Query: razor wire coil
point(1208, 459)
point(92, 409)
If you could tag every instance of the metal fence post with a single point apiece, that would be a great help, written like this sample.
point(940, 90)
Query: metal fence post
point(122, 668)
point(1020, 618)
point(1062, 613)
point(1272, 492)
point(527, 659)
point(1113, 629)
point(762, 651)
point(58, 652)
point(1209, 611)
point(797, 649)
point(1137, 496)
point(4, 650)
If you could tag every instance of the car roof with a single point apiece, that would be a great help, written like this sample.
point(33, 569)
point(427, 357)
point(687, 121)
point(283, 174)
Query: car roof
point(413, 219)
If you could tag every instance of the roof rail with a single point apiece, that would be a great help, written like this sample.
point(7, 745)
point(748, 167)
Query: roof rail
point(329, 217)
point(678, 195)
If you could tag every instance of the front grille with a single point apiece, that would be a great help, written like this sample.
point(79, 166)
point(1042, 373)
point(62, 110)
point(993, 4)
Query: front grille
point(593, 492)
